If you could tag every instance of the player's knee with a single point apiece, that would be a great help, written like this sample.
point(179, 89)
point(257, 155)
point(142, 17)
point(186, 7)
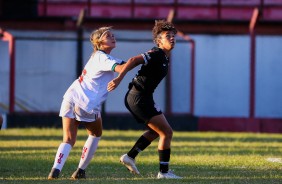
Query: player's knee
point(168, 133)
point(97, 133)
point(70, 141)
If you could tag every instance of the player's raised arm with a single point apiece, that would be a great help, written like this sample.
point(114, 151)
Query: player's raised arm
point(123, 69)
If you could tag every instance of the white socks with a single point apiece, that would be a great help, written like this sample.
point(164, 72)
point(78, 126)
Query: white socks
point(88, 151)
point(62, 155)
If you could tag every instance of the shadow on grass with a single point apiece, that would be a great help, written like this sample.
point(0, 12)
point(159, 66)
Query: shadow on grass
point(181, 151)
point(60, 137)
point(115, 173)
point(187, 138)
point(149, 181)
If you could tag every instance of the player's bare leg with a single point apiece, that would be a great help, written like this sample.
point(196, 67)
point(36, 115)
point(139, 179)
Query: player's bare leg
point(160, 125)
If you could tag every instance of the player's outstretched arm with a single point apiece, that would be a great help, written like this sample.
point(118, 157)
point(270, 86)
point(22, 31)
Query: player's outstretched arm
point(123, 69)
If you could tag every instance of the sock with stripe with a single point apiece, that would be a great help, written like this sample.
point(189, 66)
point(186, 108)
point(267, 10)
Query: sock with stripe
point(164, 157)
point(139, 146)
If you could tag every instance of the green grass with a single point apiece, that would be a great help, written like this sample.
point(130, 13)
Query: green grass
point(26, 157)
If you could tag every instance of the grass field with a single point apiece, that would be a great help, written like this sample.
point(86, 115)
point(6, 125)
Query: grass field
point(26, 157)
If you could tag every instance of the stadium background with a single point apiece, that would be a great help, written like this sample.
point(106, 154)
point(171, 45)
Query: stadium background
point(211, 92)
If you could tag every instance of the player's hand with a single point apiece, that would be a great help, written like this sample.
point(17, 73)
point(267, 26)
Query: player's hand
point(113, 84)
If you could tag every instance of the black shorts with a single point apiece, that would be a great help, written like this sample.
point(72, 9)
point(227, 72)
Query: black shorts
point(141, 105)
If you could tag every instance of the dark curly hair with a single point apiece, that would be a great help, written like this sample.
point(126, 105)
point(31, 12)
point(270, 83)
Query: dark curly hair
point(160, 26)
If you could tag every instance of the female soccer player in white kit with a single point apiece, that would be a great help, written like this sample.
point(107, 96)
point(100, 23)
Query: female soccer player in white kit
point(82, 102)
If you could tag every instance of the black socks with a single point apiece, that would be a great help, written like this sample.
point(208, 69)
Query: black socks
point(139, 146)
point(164, 156)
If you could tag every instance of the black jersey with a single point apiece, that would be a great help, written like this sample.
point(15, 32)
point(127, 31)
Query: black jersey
point(153, 71)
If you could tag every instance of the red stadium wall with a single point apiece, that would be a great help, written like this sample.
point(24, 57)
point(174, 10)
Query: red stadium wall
point(186, 10)
point(265, 125)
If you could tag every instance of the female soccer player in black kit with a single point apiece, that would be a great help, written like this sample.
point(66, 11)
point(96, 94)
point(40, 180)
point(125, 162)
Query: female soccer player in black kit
point(139, 98)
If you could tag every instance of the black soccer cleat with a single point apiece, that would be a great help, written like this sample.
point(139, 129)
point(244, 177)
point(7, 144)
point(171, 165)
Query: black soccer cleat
point(78, 174)
point(54, 174)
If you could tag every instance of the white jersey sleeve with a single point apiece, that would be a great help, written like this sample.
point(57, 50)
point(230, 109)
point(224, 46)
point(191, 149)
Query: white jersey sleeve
point(107, 62)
